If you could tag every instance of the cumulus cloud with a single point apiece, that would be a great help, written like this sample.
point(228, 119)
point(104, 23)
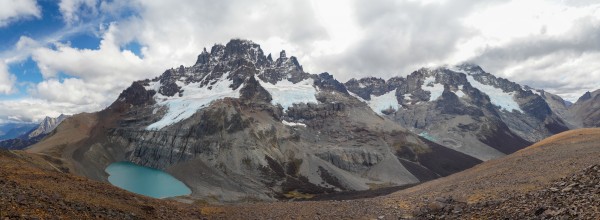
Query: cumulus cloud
point(551, 45)
point(13, 10)
point(401, 36)
point(94, 76)
point(7, 80)
point(564, 63)
point(177, 32)
point(33, 109)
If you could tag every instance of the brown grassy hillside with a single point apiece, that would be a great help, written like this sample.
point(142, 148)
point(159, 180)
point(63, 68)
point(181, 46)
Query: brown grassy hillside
point(32, 188)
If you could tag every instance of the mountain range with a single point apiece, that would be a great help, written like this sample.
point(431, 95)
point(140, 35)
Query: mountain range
point(14, 129)
point(31, 133)
point(240, 125)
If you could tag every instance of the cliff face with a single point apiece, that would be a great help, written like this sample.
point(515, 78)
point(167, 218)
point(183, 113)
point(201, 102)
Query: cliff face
point(239, 125)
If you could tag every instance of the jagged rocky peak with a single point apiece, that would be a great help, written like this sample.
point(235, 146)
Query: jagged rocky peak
point(233, 64)
point(47, 125)
point(239, 70)
point(468, 68)
point(586, 111)
point(282, 55)
point(585, 96)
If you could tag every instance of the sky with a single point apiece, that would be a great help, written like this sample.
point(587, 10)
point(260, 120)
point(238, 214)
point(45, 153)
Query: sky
point(72, 56)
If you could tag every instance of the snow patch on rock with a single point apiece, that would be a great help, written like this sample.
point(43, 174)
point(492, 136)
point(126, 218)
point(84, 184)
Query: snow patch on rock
point(287, 93)
point(435, 89)
point(383, 102)
point(293, 123)
point(497, 96)
point(459, 92)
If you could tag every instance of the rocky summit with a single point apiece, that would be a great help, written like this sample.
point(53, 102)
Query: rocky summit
point(240, 125)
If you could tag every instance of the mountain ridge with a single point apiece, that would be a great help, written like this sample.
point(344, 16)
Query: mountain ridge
point(247, 127)
point(238, 125)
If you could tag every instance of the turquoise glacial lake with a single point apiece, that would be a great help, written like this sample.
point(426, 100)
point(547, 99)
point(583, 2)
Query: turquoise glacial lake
point(144, 180)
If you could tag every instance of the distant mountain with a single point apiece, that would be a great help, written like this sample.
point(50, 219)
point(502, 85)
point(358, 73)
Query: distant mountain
point(13, 130)
point(34, 133)
point(462, 107)
point(586, 111)
point(46, 126)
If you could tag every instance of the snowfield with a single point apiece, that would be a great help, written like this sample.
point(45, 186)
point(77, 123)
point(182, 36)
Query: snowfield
point(459, 92)
point(194, 98)
point(497, 96)
point(383, 102)
point(286, 93)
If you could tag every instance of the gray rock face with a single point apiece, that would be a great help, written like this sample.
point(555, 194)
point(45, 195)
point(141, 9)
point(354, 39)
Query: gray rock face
point(269, 130)
point(586, 111)
point(47, 125)
point(465, 108)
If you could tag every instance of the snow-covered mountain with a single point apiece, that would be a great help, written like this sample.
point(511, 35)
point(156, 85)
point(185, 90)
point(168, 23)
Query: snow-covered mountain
point(240, 125)
point(462, 107)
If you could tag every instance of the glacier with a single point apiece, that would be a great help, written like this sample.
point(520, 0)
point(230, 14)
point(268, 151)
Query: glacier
point(194, 98)
point(498, 97)
point(383, 102)
point(286, 93)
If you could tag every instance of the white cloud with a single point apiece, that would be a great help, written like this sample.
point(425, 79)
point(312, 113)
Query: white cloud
point(73, 10)
point(7, 80)
point(550, 45)
point(33, 109)
point(13, 10)
point(96, 76)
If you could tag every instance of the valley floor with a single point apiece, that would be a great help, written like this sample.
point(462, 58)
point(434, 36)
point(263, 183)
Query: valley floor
point(557, 177)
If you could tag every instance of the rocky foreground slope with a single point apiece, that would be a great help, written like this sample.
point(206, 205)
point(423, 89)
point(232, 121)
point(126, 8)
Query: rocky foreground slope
point(573, 197)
